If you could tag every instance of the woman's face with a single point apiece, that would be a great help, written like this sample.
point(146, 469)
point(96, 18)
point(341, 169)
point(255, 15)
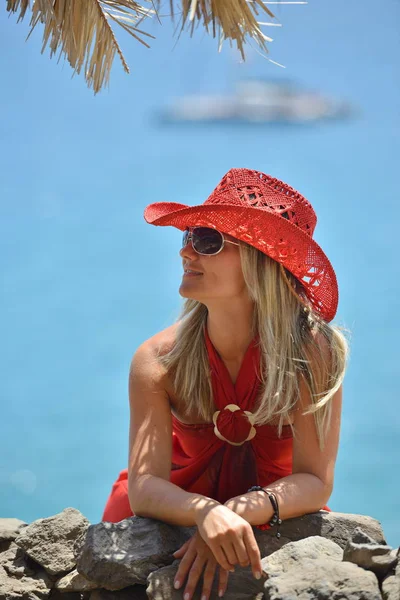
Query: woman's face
point(220, 275)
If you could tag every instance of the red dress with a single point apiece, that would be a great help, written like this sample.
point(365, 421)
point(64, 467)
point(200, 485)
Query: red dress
point(204, 457)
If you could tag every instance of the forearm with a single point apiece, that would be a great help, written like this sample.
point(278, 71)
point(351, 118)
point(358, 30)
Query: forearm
point(297, 495)
point(151, 496)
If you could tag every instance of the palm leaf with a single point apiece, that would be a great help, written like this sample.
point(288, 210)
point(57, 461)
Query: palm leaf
point(81, 29)
point(234, 20)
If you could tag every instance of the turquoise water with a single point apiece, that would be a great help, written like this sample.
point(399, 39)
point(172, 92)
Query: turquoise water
point(85, 280)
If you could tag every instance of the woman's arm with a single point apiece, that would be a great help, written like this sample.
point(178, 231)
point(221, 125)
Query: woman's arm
point(150, 492)
point(309, 487)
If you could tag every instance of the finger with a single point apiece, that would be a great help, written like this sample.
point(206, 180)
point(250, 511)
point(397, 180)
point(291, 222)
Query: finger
point(253, 551)
point(229, 550)
point(223, 581)
point(208, 578)
point(184, 567)
point(241, 552)
point(220, 557)
point(181, 551)
point(194, 576)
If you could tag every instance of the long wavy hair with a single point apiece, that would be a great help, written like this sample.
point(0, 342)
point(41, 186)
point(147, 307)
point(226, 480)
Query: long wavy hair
point(288, 329)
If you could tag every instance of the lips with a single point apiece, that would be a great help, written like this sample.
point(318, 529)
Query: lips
point(186, 269)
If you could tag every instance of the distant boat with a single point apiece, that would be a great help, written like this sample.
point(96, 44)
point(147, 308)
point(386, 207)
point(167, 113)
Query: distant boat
point(257, 101)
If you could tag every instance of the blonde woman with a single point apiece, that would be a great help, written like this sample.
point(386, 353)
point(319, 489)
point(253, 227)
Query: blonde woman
point(235, 408)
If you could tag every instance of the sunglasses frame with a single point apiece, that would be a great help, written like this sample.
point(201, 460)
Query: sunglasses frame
point(190, 239)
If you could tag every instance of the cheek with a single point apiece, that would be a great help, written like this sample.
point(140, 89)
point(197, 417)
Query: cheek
point(231, 273)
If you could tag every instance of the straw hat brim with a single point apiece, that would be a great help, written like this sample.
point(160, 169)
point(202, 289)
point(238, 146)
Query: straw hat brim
point(271, 233)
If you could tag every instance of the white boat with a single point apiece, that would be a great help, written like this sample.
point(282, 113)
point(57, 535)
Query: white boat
point(256, 101)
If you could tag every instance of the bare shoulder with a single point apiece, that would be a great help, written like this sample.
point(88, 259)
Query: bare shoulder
point(145, 363)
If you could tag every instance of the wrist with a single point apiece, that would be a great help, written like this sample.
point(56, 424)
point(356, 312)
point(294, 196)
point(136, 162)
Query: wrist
point(275, 519)
point(202, 508)
point(254, 507)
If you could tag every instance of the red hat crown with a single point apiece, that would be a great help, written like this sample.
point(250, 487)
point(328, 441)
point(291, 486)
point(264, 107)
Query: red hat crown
point(247, 188)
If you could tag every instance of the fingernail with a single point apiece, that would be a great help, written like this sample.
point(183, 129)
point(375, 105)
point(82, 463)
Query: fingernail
point(204, 598)
point(186, 596)
point(221, 593)
point(258, 575)
point(177, 584)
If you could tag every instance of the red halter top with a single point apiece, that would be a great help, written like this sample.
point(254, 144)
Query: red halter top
point(225, 458)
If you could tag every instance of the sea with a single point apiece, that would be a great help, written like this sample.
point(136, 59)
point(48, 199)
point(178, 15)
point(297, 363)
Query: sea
point(85, 280)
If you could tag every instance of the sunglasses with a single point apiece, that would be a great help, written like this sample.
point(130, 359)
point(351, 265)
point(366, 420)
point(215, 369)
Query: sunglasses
point(205, 240)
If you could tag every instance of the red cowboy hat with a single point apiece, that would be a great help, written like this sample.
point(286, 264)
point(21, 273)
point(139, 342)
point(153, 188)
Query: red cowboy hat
point(270, 215)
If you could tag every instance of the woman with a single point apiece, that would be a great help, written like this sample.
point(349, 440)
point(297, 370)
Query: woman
point(246, 388)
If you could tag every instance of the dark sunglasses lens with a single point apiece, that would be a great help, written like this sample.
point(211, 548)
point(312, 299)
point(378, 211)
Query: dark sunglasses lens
point(206, 240)
point(185, 238)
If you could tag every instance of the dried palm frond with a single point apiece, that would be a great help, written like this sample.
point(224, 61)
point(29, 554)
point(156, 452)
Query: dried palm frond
point(233, 20)
point(81, 30)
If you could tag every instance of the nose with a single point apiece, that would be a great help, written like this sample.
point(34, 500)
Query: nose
point(188, 251)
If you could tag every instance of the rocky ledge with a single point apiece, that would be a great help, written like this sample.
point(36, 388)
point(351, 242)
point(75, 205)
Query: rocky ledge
point(324, 555)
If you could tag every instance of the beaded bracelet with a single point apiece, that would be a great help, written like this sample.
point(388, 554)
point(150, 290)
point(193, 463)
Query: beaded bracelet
point(275, 520)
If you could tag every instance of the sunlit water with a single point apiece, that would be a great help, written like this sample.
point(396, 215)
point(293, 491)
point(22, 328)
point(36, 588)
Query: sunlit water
point(85, 280)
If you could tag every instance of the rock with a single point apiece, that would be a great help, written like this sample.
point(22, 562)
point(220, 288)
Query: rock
point(118, 555)
point(293, 553)
point(391, 588)
point(318, 556)
point(391, 585)
point(324, 579)
point(338, 527)
point(35, 587)
point(50, 541)
point(242, 585)
point(4, 546)
point(134, 592)
point(18, 564)
point(10, 528)
point(75, 582)
point(57, 595)
point(374, 557)
point(360, 537)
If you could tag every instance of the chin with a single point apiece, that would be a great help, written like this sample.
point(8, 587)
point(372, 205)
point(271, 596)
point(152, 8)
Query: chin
point(189, 294)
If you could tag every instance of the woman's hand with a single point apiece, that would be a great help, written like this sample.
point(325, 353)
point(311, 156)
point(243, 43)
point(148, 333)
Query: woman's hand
point(230, 538)
point(196, 556)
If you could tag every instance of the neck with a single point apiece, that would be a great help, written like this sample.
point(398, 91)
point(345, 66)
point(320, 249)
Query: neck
point(230, 329)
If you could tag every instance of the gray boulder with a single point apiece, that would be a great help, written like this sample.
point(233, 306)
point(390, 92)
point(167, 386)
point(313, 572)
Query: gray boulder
point(242, 585)
point(324, 579)
point(57, 595)
point(36, 586)
point(75, 582)
point(360, 537)
point(18, 564)
point(294, 553)
point(391, 585)
point(338, 527)
point(135, 592)
point(50, 541)
point(118, 555)
point(10, 528)
point(374, 557)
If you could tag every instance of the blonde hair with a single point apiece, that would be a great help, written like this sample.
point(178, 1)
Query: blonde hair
point(288, 348)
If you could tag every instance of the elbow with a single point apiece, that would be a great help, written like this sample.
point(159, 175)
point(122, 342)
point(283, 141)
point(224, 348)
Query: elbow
point(136, 495)
point(326, 492)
